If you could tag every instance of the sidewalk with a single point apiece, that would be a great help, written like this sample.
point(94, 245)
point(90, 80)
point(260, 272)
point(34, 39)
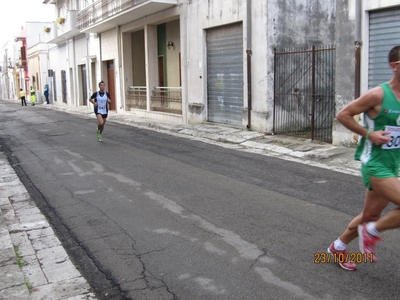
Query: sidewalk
point(26, 238)
point(33, 263)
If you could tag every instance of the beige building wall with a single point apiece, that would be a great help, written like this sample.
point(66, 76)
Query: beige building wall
point(138, 59)
point(173, 54)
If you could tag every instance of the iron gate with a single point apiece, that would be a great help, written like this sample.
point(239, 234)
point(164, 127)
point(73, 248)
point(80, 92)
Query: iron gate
point(304, 92)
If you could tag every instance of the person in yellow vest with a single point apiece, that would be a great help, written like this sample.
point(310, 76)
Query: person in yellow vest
point(22, 97)
point(33, 97)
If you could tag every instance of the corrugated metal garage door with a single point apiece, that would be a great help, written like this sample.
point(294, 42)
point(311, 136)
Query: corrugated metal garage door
point(225, 74)
point(384, 34)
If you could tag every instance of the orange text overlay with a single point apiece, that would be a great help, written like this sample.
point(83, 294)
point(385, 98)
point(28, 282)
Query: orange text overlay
point(355, 257)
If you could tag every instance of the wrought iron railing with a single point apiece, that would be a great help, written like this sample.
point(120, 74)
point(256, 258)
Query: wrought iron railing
point(136, 97)
point(102, 10)
point(167, 99)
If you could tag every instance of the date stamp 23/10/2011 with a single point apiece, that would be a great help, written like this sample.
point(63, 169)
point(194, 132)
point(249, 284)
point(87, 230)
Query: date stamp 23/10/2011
point(354, 257)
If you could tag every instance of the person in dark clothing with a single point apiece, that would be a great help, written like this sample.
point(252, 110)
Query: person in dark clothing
point(100, 100)
point(46, 93)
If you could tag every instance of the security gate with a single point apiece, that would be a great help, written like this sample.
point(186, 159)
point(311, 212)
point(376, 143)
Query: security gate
point(225, 74)
point(304, 92)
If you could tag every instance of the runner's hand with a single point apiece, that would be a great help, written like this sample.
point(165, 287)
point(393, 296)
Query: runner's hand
point(379, 137)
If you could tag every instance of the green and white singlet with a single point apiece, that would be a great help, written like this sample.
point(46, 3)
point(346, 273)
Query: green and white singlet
point(382, 161)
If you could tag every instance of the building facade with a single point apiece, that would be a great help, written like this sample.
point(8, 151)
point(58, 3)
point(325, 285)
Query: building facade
point(370, 29)
point(194, 61)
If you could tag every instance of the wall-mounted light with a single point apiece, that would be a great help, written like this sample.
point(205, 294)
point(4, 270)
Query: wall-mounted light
point(170, 44)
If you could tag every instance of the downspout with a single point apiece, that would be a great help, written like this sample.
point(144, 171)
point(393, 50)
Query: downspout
point(100, 57)
point(88, 71)
point(357, 54)
point(248, 52)
point(67, 67)
point(357, 48)
point(122, 85)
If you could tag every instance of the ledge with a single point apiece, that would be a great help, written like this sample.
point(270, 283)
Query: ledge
point(196, 105)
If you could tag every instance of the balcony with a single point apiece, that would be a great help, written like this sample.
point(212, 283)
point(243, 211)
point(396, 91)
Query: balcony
point(51, 36)
point(107, 14)
point(60, 32)
point(21, 64)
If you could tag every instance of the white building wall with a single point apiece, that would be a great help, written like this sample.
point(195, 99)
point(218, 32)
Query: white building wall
point(58, 62)
point(109, 51)
point(109, 45)
point(379, 4)
point(80, 53)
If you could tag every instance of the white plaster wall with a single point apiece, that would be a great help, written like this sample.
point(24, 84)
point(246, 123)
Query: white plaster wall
point(109, 45)
point(379, 4)
point(94, 53)
point(109, 48)
point(261, 67)
point(77, 58)
point(58, 62)
point(80, 50)
point(43, 67)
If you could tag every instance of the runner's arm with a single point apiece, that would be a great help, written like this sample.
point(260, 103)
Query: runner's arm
point(371, 103)
point(91, 99)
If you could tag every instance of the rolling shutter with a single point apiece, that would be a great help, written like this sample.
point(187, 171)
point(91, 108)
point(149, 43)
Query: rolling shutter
point(384, 34)
point(225, 74)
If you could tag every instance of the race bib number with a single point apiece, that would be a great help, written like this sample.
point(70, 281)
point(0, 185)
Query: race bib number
point(102, 107)
point(394, 142)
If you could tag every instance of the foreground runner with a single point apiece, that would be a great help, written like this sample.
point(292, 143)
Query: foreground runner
point(379, 152)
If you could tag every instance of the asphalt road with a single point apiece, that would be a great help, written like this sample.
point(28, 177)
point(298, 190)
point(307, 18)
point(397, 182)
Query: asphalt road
point(146, 215)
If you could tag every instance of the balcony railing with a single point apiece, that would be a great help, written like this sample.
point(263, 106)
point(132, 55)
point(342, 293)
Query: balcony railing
point(58, 32)
point(136, 97)
point(102, 10)
point(106, 14)
point(167, 99)
point(51, 35)
point(21, 63)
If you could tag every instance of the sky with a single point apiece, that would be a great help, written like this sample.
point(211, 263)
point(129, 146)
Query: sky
point(16, 12)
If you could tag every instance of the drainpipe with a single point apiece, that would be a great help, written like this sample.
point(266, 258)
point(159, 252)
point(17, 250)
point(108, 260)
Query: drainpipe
point(248, 52)
point(357, 48)
point(88, 72)
point(100, 57)
point(357, 54)
point(120, 71)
